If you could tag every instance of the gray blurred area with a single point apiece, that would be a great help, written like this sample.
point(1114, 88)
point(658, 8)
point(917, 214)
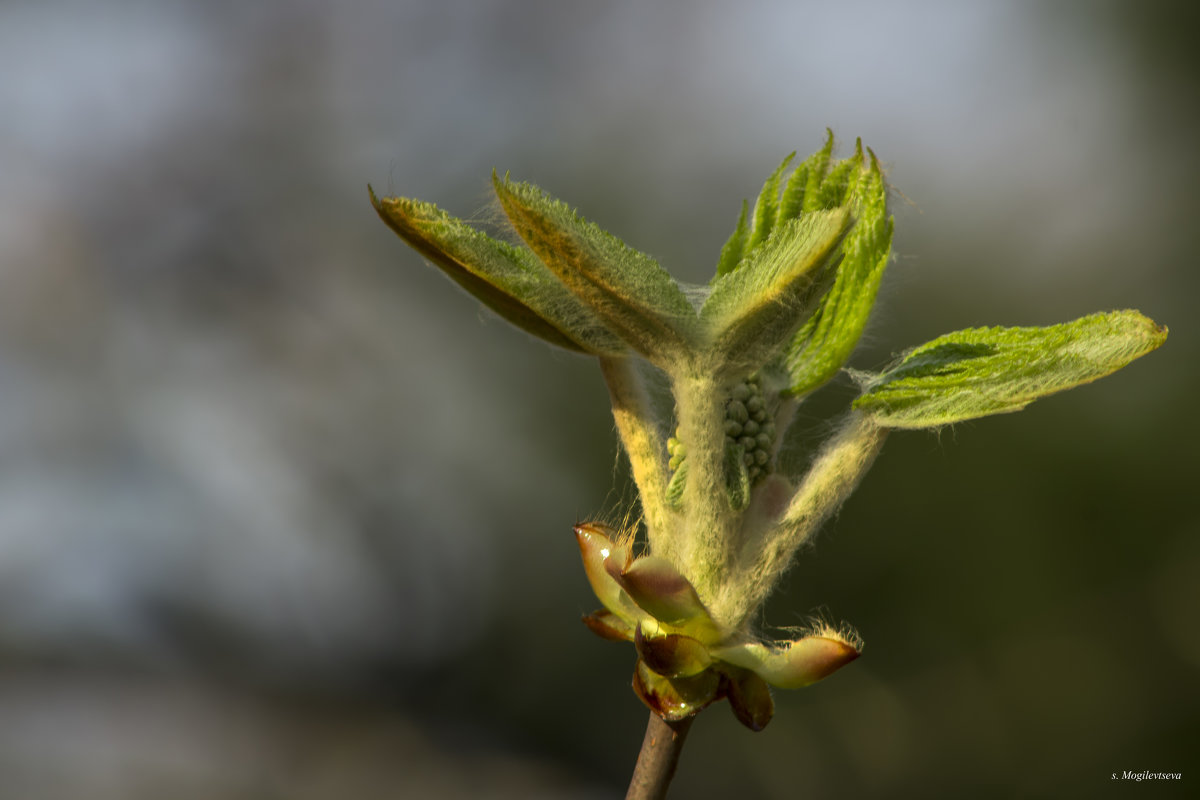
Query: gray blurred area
point(283, 514)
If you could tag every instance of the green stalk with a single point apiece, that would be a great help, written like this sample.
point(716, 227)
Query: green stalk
point(644, 445)
point(710, 521)
point(834, 475)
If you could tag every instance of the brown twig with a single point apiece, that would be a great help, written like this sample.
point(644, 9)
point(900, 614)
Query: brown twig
point(659, 756)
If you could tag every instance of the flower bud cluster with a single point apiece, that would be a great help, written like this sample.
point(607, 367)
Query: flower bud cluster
point(747, 425)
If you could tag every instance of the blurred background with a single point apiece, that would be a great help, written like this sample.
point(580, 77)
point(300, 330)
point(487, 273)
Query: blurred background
point(283, 514)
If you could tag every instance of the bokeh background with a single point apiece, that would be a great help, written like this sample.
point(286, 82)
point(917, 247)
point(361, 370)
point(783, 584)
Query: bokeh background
point(283, 514)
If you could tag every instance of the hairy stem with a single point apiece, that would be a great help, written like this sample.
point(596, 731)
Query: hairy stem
point(700, 406)
point(658, 758)
point(643, 444)
point(840, 465)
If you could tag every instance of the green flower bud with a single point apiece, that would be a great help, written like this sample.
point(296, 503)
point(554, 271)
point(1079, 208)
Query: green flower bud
point(748, 426)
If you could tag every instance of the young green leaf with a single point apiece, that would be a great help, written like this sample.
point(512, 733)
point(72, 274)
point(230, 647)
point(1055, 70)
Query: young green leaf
point(817, 166)
point(793, 192)
point(982, 371)
point(772, 210)
point(830, 335)
point(509, 280)
point(737, 477)
point(839, 185)
point(676, 486)
point(766, 207)
point(634, 296)
point(812, 186)
point(754, 310)
point(735, 246)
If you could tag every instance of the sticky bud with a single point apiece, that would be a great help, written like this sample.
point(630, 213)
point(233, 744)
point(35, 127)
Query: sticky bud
point(674, 699)
point(672, 655)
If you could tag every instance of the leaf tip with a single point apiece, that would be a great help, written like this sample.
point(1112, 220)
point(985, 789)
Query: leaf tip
point(1160, 333)
point(874, 161)
point(498, 182)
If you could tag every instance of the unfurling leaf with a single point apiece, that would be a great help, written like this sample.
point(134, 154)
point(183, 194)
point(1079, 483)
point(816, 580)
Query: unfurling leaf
point(837, 187)
point(830, 335)
point(676, 486)
point(634, 296)
point(766, 207)
point(981, 371)
point(737, 477)
point(509, 280)
point(805, 190)
point(753, 311)
point(735, 247)
point(800, 193)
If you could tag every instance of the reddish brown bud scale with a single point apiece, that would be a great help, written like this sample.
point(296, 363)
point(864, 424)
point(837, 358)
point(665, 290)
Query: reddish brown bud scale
point(673, 655)
point(608, 625)
point(674, 699)
point(750, 698)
